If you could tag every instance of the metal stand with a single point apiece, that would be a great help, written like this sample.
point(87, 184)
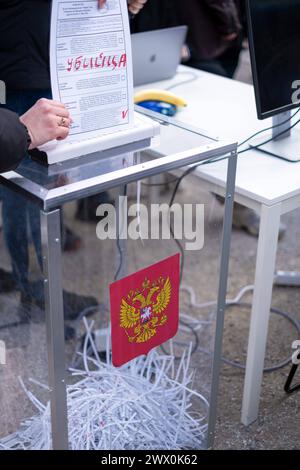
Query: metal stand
point(91, 177)
point(217, 361)
point(281, 126)
point(285, 143)
point(51, 242)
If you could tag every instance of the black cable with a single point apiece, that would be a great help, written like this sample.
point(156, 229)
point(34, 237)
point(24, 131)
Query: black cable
point(161, 184)
point(191, 169)
point(14, 324)
point(206, 162)
point(267, 370)
point(271, 139)
point(237, 364)
point(179, 180)
point(273, 310)
point(195, 77)
point(214, 160)
point(195, 347)
point(268, 129)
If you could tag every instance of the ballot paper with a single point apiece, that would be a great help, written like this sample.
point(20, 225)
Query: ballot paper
point(91, 66)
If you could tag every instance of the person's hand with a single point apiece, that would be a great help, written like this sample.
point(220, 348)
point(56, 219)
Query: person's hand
point(230, 37)
point(47, 120)
point(135, 6)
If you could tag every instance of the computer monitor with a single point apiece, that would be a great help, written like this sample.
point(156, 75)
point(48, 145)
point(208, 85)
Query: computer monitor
point(274, 40)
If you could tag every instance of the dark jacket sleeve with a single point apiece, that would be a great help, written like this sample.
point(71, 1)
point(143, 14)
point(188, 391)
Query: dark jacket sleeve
point(225, 13)
point(13, 140)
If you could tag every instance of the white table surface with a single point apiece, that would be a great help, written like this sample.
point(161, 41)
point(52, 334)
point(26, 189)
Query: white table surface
point(226, 108)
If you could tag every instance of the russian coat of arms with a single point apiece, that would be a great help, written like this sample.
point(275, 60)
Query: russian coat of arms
point(144, 311)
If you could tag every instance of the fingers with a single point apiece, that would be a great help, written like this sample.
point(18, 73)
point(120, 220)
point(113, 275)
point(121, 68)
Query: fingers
point(136, 6)
point(230, 37)
point(61, 112)
point(62, 133)
point(64, 122)
point(101, 3)
point(45, 103)
point(52, 107)
point(47, 120)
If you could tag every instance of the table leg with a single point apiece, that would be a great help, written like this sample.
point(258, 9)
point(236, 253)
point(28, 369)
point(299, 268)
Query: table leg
point(51, 242)
point(262, 298)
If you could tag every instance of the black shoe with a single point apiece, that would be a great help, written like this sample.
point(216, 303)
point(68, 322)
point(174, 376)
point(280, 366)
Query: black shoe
point(70, 333)
point(87, 208)
point(74, 304)
point(7, 282)
point(30, 313)
point(29, 309)
point(72, 242)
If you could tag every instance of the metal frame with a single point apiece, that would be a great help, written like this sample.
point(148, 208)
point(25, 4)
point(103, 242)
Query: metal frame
point(50, 202)
point(53, 198)
point(222, 294)
point(51, 243)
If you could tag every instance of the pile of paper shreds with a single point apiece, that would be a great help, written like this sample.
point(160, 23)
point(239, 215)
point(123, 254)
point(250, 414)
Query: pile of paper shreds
point(146, 404)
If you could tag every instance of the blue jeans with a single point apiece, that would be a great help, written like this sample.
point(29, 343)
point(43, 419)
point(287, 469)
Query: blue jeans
point(17, 212)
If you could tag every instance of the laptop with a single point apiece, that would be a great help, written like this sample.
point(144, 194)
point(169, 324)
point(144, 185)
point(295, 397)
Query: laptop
point(157, 54)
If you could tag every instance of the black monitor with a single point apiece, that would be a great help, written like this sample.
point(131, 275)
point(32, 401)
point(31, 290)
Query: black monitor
point(274, 40)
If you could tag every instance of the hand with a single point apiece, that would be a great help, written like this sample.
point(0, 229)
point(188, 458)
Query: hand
point(230, 37)
point(135, 6)
point(46, 120)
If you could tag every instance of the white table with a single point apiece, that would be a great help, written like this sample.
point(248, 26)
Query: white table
point(268, 185)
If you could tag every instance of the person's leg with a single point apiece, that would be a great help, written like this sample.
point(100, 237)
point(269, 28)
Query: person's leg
point(15, 218)
point(35, 229)
point(15, 234)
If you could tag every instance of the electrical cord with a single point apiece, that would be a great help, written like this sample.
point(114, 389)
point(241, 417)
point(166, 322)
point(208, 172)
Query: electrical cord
point(266, 370)
point(196, 345)
point(271, 139)
point(193, 168)
point(234, 303)
point(275, 311)
point(161, 184)
point(194, 78)
point(206, 162)
point(268, 129)
point(179, 180)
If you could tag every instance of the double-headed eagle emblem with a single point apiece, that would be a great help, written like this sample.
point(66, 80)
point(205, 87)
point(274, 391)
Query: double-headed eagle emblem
point(143, 311)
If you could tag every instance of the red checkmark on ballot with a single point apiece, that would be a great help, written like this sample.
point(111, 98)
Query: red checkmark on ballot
point(124, 114)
